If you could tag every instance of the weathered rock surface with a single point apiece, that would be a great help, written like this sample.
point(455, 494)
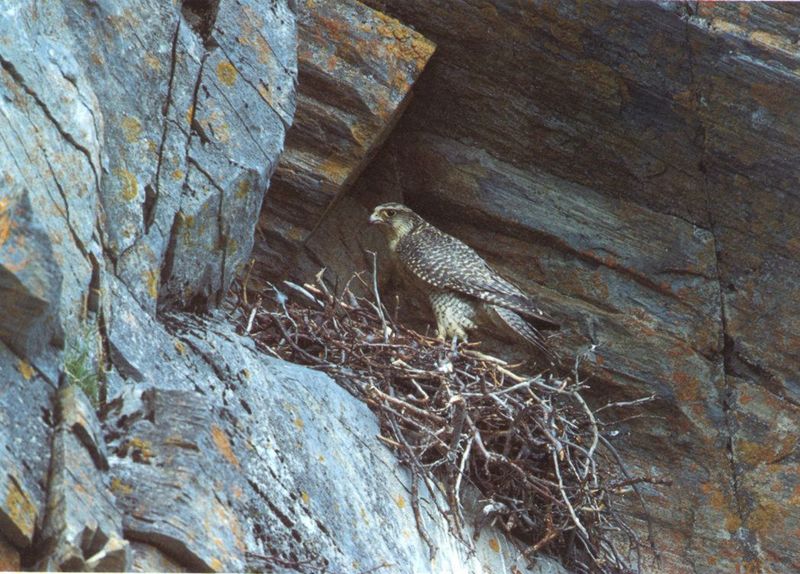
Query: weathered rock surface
point(197, 146)
point(356, 69)
point(256, 463)
point(25, 415)
point(632, 165)
point(136, 142)
point(83, 527)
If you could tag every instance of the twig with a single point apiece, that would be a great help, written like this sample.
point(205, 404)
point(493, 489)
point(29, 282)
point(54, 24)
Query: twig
point(533, 444)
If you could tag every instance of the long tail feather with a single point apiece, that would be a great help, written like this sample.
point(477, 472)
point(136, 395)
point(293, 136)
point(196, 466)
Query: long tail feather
point(525, 330)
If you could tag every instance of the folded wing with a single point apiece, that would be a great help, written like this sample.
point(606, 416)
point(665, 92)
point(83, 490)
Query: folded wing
point(444, 262)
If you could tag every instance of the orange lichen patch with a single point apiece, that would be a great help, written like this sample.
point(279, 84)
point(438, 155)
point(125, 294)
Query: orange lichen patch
point(605, 80)
point(744, 10)
point(768, 515)
point(20, 509)
point(405, 44)
point(5, 220)
point(131, 128)
point(140, 449)
point(216, 565)
point(265, 94)
point(321, 458)
point(124, 20)
point(362, 133)
point(687, 388)
point(400, 82)
point(716, 499)
point(305, 497)
point(296, 233)
point(151, 280)
point(179, 346)
point(9, 557)
point(215, 123)
point(226, 73)
point(494, 544)
point(330, 64)
point(224, 445)
point(119, 487)
point(130, 187)
point(251, 25)
point(795, 499)
point(177, 175)
point(732, 522)
point(242, 189)
point(298, 423)
point(152, 62)
point(778, 42)
point(754, 453)
point(25, 369)
point(725, 27)
point(400, 501)
point(190, 114)
point(335, 169)
point(238, 534)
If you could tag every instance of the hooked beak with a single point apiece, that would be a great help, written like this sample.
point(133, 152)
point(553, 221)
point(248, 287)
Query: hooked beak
point(375, 220)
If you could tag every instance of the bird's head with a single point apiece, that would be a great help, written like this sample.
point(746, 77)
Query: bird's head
point(394, 219)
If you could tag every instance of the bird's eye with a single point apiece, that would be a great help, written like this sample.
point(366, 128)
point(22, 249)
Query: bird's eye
point(390, 212)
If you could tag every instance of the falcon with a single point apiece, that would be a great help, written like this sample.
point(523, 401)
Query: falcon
point(463, 290)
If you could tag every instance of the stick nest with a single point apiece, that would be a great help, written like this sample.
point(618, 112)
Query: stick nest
point(531, 445)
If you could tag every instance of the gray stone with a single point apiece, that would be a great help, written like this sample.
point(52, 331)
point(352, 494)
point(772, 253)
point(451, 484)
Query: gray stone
point(25, 420)
point(312, 481)
point(188, 154)
point(49, 168)
point(135, 339)
point(356, 70)
point(77, 414)
point(248, 458)
point(83, 526)
point(148, 558)
point(174, 486)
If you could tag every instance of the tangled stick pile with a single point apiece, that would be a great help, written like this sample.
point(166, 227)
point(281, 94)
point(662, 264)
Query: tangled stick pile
point(531, 445)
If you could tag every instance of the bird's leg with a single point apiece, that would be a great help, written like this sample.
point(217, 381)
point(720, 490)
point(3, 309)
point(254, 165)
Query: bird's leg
point(441, 324)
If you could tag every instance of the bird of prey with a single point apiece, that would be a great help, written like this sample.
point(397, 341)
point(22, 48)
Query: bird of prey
point(461, 287)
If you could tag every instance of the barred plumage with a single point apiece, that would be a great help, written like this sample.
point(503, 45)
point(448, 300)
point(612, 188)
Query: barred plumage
point(461, 286)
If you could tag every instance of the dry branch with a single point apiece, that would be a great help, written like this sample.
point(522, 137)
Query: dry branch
point(531, 445)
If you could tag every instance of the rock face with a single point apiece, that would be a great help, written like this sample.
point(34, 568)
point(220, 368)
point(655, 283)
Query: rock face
point(356, 68)
point(633, 166)
point(137, 141)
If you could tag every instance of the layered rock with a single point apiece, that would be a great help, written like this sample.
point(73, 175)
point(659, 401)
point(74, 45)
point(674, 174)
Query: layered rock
point(632, 167)
point(138, 143)
point(356, 70)
point(83, 527)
